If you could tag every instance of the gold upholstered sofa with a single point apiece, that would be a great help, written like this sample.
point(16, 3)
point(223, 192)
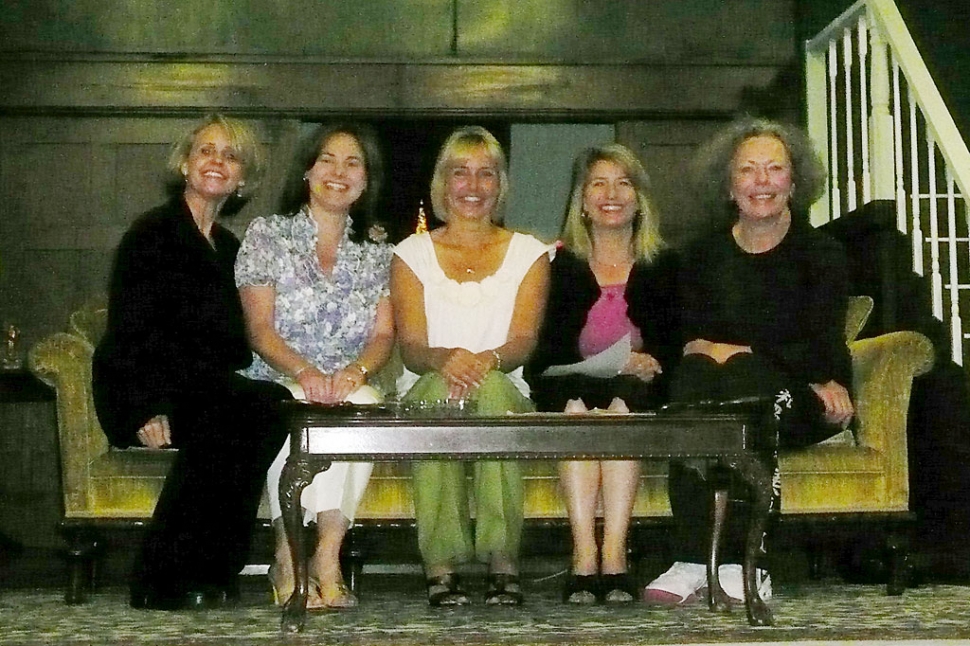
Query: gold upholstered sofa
point(862, 475)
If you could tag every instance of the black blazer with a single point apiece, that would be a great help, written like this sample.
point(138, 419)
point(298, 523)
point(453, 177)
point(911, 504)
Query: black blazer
point(175, 320)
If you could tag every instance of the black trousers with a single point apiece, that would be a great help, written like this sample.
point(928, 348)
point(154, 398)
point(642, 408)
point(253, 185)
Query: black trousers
point(201, 531)
point(801, 423)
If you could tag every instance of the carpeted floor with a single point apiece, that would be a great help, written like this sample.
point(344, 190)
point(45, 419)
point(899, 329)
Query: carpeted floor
point(393, 611)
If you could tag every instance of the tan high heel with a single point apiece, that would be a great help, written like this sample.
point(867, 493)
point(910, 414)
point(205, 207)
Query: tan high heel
point(282, 590)
point(334, 595)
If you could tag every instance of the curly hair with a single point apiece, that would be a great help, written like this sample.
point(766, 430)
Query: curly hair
point(575, 235)
point(459, 142)
point(712, 166)
point(296, 190)
point(242, 138)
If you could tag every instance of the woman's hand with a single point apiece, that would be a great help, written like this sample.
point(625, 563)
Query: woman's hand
point(316, 385)
point(720, 352)
point(642, 366)
point(464, 371)
point(344, 382)
point(838, 404)
point(156, 433)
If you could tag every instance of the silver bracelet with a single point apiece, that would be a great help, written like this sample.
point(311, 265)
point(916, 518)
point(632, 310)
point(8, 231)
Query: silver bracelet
point(301, 370)
point(498, 359)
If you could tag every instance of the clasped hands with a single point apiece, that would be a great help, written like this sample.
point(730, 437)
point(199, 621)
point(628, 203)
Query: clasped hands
point(323, 388)
point(464, 371)
point(642, 366)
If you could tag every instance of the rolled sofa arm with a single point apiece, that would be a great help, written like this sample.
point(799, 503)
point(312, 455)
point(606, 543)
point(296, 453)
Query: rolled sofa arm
point(63, 361)
point(883, 369)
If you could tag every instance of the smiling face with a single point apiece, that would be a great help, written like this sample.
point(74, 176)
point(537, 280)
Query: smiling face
point(472, 185)
point(339, 176)
point(609, 197)
point(213, 169)
point(761, 178)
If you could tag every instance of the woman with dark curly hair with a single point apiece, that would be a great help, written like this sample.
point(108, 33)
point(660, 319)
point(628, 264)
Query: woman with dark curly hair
point(315, 294)
point(763, 301)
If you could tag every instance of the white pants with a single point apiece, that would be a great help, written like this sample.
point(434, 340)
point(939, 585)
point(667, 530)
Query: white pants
point(339, 487)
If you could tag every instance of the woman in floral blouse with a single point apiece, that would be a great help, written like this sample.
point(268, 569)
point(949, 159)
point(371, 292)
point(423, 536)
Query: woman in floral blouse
point(315, 296)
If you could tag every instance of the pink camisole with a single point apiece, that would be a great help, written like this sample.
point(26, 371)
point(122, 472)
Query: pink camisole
point(608, 322)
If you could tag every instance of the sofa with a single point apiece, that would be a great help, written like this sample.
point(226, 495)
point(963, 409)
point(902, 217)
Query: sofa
point(862, 474)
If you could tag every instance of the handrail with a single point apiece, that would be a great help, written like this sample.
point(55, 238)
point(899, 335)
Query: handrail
point(946, 134)
point(893, 113)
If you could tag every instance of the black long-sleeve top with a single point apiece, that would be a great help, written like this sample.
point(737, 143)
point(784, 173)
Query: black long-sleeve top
point(650, 295)
point(789, 303)
point(175, 320)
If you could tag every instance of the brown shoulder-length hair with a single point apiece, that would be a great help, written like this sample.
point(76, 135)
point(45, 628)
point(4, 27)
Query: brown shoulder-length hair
point(296, 190)
point(459, 142)
point(243, 139)
point(576, 237)
point(712, 167)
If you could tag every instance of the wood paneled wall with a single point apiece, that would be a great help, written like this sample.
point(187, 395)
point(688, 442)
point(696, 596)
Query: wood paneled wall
point(93, 91)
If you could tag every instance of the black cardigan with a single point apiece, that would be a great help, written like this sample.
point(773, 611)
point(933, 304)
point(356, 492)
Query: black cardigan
point(175, 320)
point(650, 295)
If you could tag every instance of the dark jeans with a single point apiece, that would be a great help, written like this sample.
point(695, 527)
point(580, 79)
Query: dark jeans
point(202, 527)
point(700, 378)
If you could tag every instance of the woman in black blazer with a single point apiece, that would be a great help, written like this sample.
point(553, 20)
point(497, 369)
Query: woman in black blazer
point(610, 279)
point(165, 374)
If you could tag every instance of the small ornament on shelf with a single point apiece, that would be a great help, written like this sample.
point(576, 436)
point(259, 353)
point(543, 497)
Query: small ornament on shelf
point(10, 358)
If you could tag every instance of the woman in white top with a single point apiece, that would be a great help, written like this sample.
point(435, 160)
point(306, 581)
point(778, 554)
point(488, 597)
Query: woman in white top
point(468, 299)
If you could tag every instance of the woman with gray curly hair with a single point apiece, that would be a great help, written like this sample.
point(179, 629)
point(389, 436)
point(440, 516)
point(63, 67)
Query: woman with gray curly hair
point(763, 302)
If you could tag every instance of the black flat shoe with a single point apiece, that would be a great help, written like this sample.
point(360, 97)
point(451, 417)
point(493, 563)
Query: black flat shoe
point(581, 589)
point(503, 590)
point(617, 588)
point(446, 590)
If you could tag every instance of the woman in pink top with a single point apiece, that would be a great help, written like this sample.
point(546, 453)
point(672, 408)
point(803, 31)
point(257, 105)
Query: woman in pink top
point(609, 280)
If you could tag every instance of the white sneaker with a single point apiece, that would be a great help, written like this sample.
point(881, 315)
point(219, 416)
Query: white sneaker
point(732, 581)
point(677, 586)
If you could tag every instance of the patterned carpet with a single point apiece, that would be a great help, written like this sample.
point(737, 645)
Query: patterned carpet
point(393, 612)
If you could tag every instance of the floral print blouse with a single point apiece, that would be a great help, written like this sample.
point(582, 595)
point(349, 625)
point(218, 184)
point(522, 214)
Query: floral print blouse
point(327, 319)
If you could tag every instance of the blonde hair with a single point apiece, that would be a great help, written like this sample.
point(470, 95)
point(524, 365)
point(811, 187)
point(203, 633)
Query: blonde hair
point(576, 237)
point(462, 141)
point(241, 137)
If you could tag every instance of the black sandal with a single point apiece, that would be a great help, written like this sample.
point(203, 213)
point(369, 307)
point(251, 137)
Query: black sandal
point(503, 590)
point(617, 588)
point(581, 589)
point(446, 590)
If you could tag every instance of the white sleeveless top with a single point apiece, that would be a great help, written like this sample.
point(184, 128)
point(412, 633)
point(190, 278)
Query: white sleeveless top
point(472, 315)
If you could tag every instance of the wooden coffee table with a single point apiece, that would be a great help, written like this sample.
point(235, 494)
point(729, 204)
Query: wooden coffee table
point(740, 439)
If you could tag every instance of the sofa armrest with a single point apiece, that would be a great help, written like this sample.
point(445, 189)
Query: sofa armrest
point(63, 361)
point(883, 369)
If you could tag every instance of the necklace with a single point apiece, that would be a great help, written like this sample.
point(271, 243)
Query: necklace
point(612, 265)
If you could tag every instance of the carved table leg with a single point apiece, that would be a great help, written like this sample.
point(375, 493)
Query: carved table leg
point(297, 474)
point(717, 598)
point(756, 473)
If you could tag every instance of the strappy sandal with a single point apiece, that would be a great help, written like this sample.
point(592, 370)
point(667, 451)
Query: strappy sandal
point(581, 589)
point(330, 596)
point(503, 590)
point(446, 590)
point(617, 588)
